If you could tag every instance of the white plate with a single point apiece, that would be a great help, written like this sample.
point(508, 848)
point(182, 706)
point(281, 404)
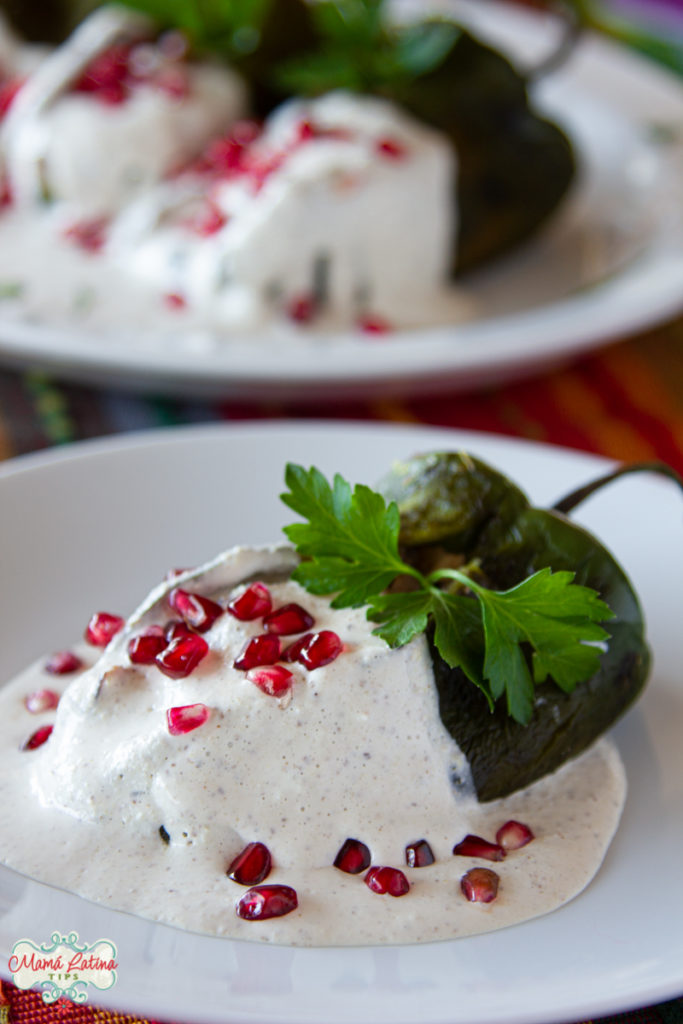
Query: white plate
point(97, 524)
point(610, 263)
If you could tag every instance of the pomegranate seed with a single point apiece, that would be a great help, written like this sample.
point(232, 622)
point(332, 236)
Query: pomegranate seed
point(353, 857)
point(61, 663)
point(102, 627)
point(186, 718)
point(301, 309)
point(480, 885)
point(175, 301)
point(305, 131)
point(260, 650)
point(182, 656)
point(6, 198)
point(475, 846)
point(105, 75)
point(199, 613)
point(387, 880)
point(143, 648)
point(273, 680)
point(264, 901)
point(250, 866)
point(374, 325)
point(41, 700)
point(392, 149)
point(513, 835)
point(8, 92)
point(315, 649)
point(419, 854)
point(252, 603)
point(37, 738)
point(112, 95)
point(292, 652)
point(176, 628)
point(88, 234)
point(289, 618)
point(226, 156)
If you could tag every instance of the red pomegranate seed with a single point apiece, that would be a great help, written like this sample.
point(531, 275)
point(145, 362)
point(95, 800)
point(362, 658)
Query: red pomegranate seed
point(301, 309)
point(143, 648)
point(61, 663)
point(37, 738)
point(480, 885)
point(353, 857)
point(260, 650)
point(182, 656)
point(112, 95)
point(174, 300)
point(176, 628)
point(292, 652)
point(289, 618)
point(199, 613)
point(8, 92)
point(419, 854)
point(314, 649)
point(513, 835)
point(251, 866)
point(6, 197)
point(392, 149)
point(88, 234)
point(374, 325)
point(387, 880)
point(105, 75)
point(264, 901)
point(273, 680)
point(252, 603)
point(475, 846)
point(186, 718)
point(305, 131)
point(41, 700)
point(102, 627)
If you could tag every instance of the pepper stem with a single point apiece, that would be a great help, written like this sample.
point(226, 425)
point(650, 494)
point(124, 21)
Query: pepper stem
point(570, 502)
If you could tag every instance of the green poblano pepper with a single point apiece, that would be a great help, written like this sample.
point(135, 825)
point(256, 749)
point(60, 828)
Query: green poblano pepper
point(454, 505)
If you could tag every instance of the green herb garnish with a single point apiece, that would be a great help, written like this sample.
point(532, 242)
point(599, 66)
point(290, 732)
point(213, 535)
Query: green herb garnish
point(505, 642)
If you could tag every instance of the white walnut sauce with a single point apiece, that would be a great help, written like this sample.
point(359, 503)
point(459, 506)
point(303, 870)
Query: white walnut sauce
point(356, 750)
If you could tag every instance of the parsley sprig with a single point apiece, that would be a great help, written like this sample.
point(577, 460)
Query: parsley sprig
point(505, 642)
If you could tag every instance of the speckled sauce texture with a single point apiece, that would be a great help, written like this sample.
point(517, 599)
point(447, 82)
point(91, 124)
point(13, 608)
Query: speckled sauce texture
point(354, 749)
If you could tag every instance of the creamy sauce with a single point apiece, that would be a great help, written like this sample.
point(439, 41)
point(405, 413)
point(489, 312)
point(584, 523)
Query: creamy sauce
point(355, 749)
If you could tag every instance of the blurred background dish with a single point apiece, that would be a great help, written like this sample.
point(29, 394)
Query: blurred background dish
point(610, 260)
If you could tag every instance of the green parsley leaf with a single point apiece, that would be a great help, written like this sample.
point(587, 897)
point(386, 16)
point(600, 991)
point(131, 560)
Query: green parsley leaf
point(505, 642)
point(352, 536)
point(556, 617)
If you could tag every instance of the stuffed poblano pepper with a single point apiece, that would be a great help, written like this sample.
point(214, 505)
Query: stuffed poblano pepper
point(513, 165)
point(454, 509)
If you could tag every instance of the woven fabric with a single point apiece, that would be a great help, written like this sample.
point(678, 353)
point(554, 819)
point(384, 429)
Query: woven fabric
point(625, 402)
